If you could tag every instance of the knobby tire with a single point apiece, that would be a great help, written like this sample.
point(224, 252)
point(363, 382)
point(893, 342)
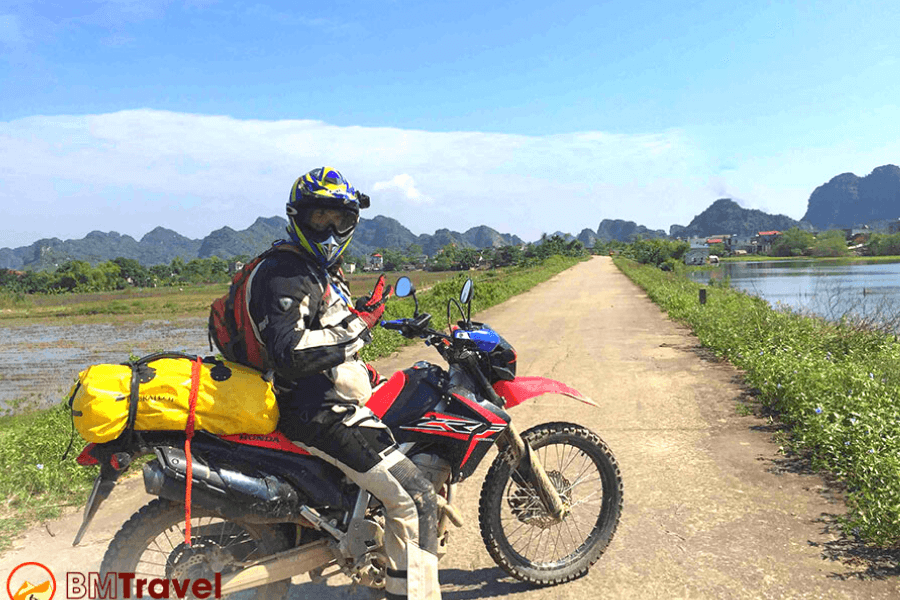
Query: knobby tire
point(157, 531)
point(579, 451)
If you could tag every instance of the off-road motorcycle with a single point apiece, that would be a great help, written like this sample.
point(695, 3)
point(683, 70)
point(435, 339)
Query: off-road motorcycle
point(263, 510)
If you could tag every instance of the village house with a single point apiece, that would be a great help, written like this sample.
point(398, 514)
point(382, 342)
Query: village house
point(697, 254)
point(375, 263)
point(742, 244)
point(764, 241)
point(852, 233)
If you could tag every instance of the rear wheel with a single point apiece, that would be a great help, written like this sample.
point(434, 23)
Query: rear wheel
point(521, 537)
point(151, 545)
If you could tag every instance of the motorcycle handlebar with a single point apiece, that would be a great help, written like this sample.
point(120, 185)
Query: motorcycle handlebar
point(410, 327)
point(396, 325)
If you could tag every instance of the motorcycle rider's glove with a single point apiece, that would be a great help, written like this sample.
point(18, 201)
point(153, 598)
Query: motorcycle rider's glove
point(375, 379)
point(370, 308)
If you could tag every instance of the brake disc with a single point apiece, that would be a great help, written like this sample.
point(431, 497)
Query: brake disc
point(527, 506)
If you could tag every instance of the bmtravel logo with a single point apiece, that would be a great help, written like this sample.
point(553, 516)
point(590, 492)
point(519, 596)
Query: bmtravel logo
point(31, 581)
point(34, 581)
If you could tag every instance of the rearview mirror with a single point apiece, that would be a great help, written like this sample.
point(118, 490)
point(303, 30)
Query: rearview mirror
point(465, 296)
point(404, 287)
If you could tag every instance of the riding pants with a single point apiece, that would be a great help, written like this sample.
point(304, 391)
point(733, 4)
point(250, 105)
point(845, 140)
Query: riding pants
point(353, 439)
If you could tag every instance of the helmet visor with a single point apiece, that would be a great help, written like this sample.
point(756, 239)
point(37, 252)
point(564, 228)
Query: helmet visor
point(323, 219)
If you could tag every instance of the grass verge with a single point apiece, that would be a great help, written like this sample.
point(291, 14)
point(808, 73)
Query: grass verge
point(36, 484)
point(834, 385)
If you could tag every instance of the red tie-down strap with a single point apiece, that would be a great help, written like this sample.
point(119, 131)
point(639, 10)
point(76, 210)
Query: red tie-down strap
point(189, 434)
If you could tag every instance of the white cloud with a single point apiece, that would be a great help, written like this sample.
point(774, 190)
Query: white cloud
point(404, 188)
point(133, 170)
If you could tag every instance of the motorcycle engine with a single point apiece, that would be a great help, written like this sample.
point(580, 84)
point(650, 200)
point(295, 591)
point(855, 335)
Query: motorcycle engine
point(434, 468)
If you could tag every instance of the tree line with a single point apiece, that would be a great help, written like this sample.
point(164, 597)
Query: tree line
point(116, 274)
point(122, 273)
point(453, 258)
point(666, 253)
point(796, 242)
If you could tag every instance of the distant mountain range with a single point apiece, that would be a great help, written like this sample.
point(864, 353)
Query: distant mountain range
point(162, 245)
point(724, 216)
point(848, 200)
point(845, 201)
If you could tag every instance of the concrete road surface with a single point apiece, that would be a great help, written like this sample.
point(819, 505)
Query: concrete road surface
point(712, 509)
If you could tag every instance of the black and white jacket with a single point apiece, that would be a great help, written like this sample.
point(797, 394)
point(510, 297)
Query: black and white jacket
point(301, 314)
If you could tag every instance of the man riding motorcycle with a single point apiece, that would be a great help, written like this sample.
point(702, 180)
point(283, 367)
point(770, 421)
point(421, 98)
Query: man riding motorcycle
point(308, 333)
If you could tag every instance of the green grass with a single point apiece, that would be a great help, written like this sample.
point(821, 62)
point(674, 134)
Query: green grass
point(834, 385)
point(135, 304)
point(36, 484)
point(491, 288)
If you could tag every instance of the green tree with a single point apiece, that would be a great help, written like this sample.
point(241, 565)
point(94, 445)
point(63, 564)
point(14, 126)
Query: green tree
point(106, 276)
point(793, 242)
point(161, 274)
point(444, 260)
point(131, 269)
point(73, 275)
point(393, 260)
point(353, 259)
point(830, 243)
point(883, 245)
point(176, 266)
point(413, 252)
point(656, 251)
point(467, 258)
point(507, 256)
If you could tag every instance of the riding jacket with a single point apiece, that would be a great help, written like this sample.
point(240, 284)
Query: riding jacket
point(301, 313)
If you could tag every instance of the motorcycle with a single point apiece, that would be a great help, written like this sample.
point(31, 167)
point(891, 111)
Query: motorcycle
point(263, 510)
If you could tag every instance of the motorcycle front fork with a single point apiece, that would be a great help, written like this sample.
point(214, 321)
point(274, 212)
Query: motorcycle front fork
point(526, 462)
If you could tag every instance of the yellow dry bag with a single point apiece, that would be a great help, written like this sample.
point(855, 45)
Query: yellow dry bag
point(153, 394)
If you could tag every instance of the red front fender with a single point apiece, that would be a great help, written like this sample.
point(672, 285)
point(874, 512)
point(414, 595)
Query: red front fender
point(521, 389)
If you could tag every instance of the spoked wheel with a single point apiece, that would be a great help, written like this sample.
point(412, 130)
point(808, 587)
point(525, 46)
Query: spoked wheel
point(527, 542)
point(151, 545)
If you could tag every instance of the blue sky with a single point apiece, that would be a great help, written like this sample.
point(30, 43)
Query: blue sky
point(525, 116)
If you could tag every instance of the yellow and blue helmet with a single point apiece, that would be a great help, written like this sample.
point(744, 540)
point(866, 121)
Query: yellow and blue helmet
point(323, 211)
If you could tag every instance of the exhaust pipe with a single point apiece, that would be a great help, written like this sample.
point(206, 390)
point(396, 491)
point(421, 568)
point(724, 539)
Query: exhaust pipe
point(266, 499)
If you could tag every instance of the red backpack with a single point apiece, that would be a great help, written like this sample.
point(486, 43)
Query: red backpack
point(230, 324)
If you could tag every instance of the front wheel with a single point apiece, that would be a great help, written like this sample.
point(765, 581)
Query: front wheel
point(521, 537)
point(151, 545)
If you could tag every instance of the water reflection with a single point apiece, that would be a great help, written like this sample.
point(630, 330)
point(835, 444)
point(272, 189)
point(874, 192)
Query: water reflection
point(828, 289)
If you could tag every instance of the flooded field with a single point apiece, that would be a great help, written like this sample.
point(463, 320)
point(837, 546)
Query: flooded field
point(39, 362)
point(47, 340)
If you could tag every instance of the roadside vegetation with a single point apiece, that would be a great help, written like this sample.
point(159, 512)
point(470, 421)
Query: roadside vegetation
point(833, 385)
point(35, 484)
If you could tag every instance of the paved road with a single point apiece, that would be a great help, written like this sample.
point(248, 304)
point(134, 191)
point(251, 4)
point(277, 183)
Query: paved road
point(712, 510)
